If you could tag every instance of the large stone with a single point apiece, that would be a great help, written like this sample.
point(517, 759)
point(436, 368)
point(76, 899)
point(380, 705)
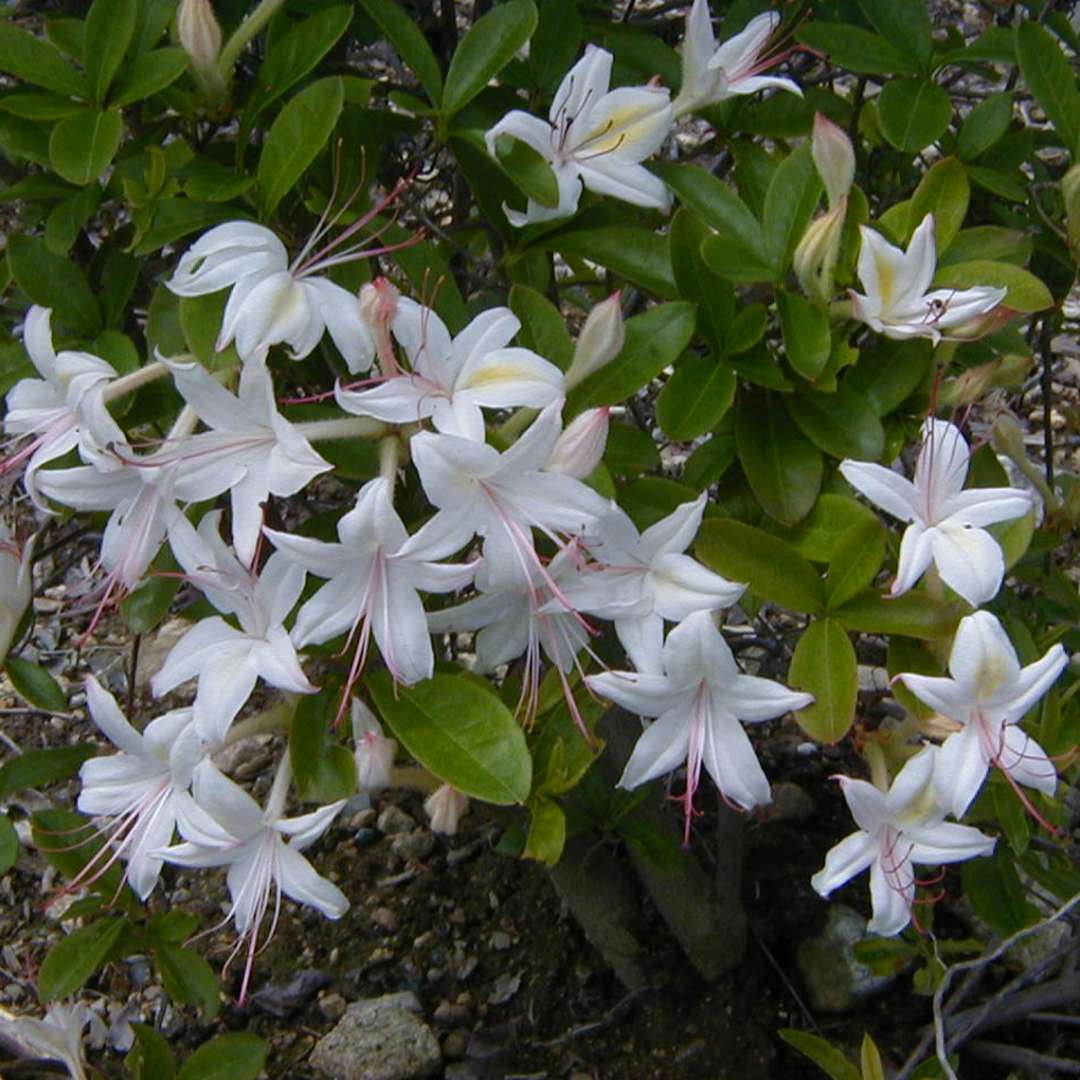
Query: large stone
point(379, 1039)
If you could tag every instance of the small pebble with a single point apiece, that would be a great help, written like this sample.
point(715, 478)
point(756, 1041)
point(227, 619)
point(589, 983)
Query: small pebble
point(385, 919)
point(500, 941)
point(455, 1045)
point(413, 846)
point(365, 837)
point(394, 820)
point(332, 1006)
point(449, 1012)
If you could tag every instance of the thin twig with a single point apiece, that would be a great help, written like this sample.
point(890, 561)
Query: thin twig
point(808, 1016)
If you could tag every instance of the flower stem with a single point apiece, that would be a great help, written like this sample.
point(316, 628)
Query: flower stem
point(251, 26)
point(389, 453)
point(126, 384)
point(879, 771)
point(345, 427)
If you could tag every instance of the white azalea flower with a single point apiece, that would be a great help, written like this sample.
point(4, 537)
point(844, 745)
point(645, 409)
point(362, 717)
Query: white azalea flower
point(57, 1037)
point(596, 139)
point(445, 807)
point(228, 661)
point(988, 694)
point(374, 752)
point(897, 301)
point(897, 830)
point(946, 523)
point(712, 74)
point(274, 300)
point(451, 379)
point(138, 788)
point(224, 826)
point(699, 698)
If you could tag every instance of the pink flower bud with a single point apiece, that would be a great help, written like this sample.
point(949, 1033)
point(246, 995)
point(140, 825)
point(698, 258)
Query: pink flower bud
point(834, 157)
point(374, 752)
point(600, 341)
point(445, 808)
point(200, 36)
point(580, 447)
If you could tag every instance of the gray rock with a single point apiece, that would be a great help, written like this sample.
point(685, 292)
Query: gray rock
point(394, 820)
point(379, 1039)
point(835, 980)
point(413, 846)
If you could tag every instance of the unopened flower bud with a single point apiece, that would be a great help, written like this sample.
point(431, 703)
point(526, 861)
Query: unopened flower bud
point(600, 341)
point(814, 261)
point(374, 752)
point(16, 587)
point(200, 37)
point(834, 157)
point(445, 808)
point(378, 307)
point(580, 447)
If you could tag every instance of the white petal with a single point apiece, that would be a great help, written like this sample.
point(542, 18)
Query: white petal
point(1030, 684)
point(729, 758)
point(300, 882)
point(110, 720)
point(643, 694)
point(892, 896)
point(661, 748)
point(846, 859)
point(960, 770)
point(224, 687)
point(970, 562)
point(227, 803)
point(587, 81)
point(945, 842)
point(866, 803)
point(983, 659)
point(916, 554)
point(1026, 761)
point(885, 488)
point(670, 535)
point(681, 585)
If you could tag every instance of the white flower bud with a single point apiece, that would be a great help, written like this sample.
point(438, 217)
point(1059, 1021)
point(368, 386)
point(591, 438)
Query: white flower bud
point(445, 808)
point(580, 447)
point(16, 587)
point(374, 752)
point(600, 341)
point(200, 37)
point(814, 261)
point(834, 157)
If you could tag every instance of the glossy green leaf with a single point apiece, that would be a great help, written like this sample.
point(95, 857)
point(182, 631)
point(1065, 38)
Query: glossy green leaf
point(71, 961)
point(147, 75)
point(824, 664)
point(784, 469)
point(889, 372)
point(842, 424)
point(547, 831)
point(650, 498)
point(555, 45)
point(713, 201)
point(234, 1056)
point(37, 62)
point(543, 329)
point(461, 732)
point(819, 534)
point(150, 1057)
point(295, 53)
point(639, 255)
point(39, 105)
point(145, 607)
point(807, 337)
point(790, 202)
point(67, 218)
point(747, 328)
point(944, 192)
point(869, 1056)
point(905, 25)
point(324, 770)
point(822, 1053)
point(177, 218)
point(35, 685)
point(1025, 292)
point(485, 50)
point(630, 451)
point(9, 844)
point(695, 398)
point(856, 49)
point(994, 889)
point(710, 461)
point(1050, 78)
point(82, 147)
point(984, 125)
point(907, 656)
point(714, 296)
point(299, 133)
point(990, 242)
point(188, 978)
point(109, 27)
point(36, 768)
point(774, 570)
point(855, 562)
point(403, 33)
point(528, 170)
point(653, 341)
point(912, 614)
point(913, 113)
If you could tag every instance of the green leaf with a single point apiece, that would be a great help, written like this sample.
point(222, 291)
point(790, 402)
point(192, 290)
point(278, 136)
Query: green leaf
point(37, 768)
point(906, 25)
point(823, 530)
point(784, 469)
point(297, 136)
point(555, 44)
point(235, 1056)
point(824, 664)
point(842, 424)
point(295, 53)
point(821, 1052)
point(35, 61)
point(913, 615)
point(639, 255)
point(630, 451)
point(856, 559)
point(529, 171)
point(9, 844)
point(653, 341)
point(145, 607)
point(109, 27)
point(543, 329)
point(944, 192)
point(1025, 292)
point(993, 886)
point(54, 281)
point(147, 75)
point(82, 147)
point(988, 242)
point(869, 1055)
point(67, 218)
point(35, 685)
point(150, 1057)
point(38, 105)
point(856, 49)
point(714, 296)
point(188, 978)
point(695, 397)
point(70, 962)
point(984, 125)
point(1050, 78)
point(403, 33)
point(200, 319)
point(73, 845)
point(1010, 813)
point(175, 218)
point(547, 832)
point(913, 113)
point(485, 50)
point(790, 202)
point(747, 329)
point(774, 570)
point(650, 498)
point(324, 770)
point(710, 461)
point(461, 732)
point(807, 337)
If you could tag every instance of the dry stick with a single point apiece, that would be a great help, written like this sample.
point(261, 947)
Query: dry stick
point(1030, 1061)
